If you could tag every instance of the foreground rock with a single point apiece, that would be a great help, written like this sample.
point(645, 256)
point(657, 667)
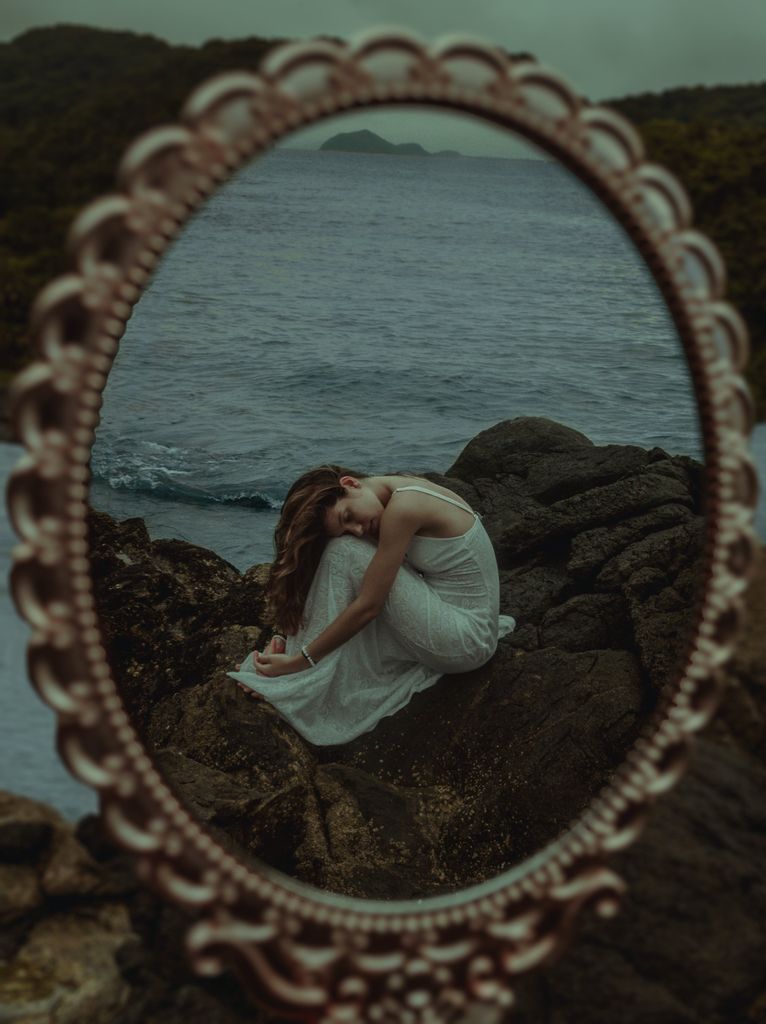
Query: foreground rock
point(599, 551)
point(61, 928)
point(687, 947)
point(81, 940)
point(7, 434)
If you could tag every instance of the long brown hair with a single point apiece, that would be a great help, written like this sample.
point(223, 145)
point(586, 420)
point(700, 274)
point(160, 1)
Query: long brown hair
point(299, 539)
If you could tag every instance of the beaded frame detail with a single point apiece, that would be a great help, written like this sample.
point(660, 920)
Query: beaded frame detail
point(299, 951)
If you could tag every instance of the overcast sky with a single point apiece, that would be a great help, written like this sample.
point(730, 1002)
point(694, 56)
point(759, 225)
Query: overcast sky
point(604, 48)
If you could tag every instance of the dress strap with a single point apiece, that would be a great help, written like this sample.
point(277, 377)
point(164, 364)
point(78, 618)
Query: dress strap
point(426, 490)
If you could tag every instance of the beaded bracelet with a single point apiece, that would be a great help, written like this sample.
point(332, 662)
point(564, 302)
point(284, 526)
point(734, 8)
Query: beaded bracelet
point(307, 656)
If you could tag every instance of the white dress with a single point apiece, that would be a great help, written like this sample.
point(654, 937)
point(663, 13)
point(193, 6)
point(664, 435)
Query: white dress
point(441, 616)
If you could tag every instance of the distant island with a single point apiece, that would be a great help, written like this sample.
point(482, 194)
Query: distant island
point(365, 141)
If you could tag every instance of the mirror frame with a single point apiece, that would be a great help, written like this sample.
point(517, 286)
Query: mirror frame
point(297, 950)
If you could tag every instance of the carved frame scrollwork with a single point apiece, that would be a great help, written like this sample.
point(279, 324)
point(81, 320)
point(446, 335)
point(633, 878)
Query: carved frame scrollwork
point(300, 951)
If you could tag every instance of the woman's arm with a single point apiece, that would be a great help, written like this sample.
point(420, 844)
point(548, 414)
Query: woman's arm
point(397, 527)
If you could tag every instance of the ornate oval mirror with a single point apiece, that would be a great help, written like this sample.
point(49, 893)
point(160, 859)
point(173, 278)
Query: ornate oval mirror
point(546, 350)
point(507, 340)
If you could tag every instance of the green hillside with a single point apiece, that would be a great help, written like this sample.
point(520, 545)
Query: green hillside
point(721, 162)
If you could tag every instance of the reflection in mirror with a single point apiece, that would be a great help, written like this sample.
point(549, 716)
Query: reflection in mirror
point(475, 325)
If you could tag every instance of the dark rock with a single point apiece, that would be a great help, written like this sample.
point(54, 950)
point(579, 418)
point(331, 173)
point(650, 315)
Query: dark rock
point(145, 589)
point(586, 622)
point(591, 549)
point(7, 432)
point(57, 958)
point(21, 841)
point(515, 446)
point(535, 588)
point(687, 946)
point(491, 758)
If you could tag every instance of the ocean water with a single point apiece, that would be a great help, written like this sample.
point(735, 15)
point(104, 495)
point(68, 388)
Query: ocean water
point(372, 311)
point(376, 312)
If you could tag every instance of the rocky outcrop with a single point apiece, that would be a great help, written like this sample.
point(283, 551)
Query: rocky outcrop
point(688, 944)
point(686, 948)
point(80, 939)
point(599, 549)
point(61, 928)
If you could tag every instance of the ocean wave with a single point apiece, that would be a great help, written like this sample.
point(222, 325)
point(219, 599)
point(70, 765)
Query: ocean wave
point(173, 474)
point(160, 483)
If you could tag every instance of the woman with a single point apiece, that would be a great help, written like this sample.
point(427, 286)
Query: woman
point(382, 584)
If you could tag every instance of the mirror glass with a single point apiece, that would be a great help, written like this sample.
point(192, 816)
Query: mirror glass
point(426, 301)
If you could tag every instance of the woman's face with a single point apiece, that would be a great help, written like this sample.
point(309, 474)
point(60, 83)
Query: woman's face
point(358, 513)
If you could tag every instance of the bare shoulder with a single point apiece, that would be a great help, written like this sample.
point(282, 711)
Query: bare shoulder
point(399, 522)
point(422, 481)
point(407, 507)
point(437, 518)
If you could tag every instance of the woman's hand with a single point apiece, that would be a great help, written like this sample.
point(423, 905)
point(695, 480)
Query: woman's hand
point(278, 664)
point(275, 646)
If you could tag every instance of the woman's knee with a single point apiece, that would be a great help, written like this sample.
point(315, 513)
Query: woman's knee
point(351, 552)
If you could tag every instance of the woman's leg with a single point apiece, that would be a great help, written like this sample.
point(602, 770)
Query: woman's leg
point(423, 627)
point(337, 580)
